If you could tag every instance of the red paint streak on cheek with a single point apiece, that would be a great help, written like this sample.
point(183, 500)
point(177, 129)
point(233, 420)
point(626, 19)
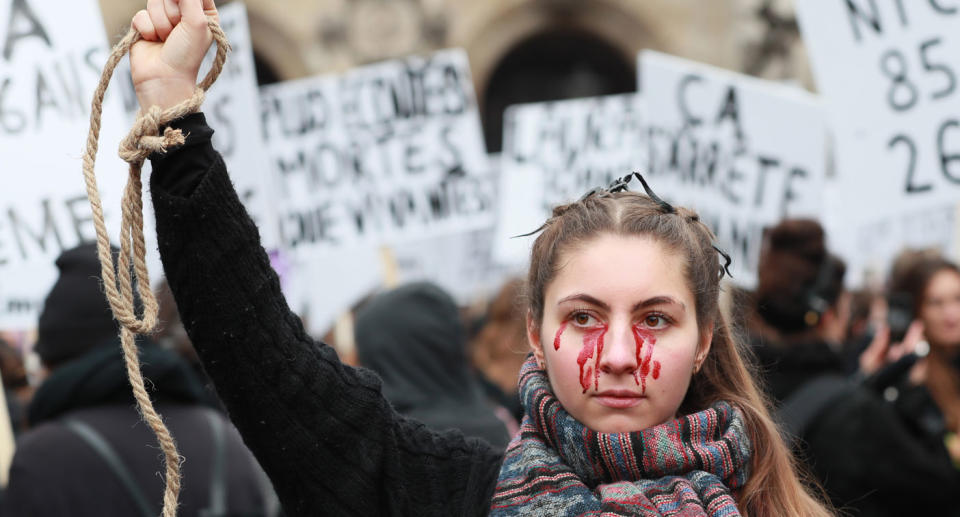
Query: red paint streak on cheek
point(592, 341)
point(645, 357)
point(638, 339)
point(556, 339)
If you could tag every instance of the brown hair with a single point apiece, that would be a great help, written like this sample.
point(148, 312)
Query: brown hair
point(12, 370)
point(912, 273)
point(775, 486)
point(500, 347)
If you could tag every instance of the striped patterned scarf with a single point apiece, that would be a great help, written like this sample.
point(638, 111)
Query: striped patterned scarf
point(556, 466)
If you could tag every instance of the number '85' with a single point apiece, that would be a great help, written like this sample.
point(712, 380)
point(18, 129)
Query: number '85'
point(903, 93)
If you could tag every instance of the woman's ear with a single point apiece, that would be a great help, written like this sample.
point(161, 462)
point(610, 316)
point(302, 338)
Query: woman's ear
point(703, 347)
point(533, 337)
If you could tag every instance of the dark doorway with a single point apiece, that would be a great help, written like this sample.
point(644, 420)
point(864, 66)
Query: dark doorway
point(265, 73)
point(553, 65)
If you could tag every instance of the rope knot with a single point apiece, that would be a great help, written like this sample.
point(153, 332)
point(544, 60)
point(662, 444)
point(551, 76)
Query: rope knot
point(171, 138)
point(144, 137)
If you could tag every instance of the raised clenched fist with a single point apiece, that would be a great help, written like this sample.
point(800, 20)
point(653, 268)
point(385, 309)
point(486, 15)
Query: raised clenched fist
point(165, 63)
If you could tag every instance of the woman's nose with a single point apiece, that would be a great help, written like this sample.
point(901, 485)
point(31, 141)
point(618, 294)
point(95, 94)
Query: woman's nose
point(619, 351)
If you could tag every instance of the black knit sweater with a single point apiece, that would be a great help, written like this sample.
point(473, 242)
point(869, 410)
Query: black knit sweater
point(330, 442)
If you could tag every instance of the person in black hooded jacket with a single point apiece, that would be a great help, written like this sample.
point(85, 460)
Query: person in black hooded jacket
point(855, 443)
point(88, 452)
point(413, 338)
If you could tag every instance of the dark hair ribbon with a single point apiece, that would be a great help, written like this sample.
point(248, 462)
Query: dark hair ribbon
point(622, 184)
point(725, 268)
point(538, 230)
point(617, 185)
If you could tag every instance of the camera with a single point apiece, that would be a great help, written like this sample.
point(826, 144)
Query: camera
point(899, 315)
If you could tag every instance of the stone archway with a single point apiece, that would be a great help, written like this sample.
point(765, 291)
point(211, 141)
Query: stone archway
point(555, 64)
point(595, 45)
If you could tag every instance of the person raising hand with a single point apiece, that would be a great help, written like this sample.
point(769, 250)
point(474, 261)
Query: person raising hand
point(638, 404)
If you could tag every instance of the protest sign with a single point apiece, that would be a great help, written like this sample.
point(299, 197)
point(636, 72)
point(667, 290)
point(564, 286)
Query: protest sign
point(888, 74)
point(52, 56)
point(384, 153)
point(554, 152)
point(232, 108)
point(321, 289)
point(741, 151)
point(462, 264)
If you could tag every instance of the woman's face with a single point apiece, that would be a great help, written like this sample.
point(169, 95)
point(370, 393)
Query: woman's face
point(940, 310)
point(619, 336)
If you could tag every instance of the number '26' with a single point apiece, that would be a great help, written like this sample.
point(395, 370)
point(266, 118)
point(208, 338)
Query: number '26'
point(948, 161)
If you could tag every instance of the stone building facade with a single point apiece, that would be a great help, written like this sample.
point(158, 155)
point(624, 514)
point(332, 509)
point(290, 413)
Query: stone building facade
point(519, 50)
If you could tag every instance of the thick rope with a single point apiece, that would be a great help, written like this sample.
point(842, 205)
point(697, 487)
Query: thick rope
point(143, 140)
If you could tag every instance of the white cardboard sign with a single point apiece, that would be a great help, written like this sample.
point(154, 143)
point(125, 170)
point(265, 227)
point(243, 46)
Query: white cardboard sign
point(232, 107)
point(553, 153)
point(385, 153)
point(741, 151)
point(889, 75)
point(51, 55)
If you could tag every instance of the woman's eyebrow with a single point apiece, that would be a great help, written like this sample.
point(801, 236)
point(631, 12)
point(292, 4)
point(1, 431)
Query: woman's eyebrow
point(659, 300)
point(584, 298)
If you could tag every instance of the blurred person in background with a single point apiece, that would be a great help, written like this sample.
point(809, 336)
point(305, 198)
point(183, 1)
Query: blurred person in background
point(500, 347)
point(87, 451)
point(868, 312)
point(16, 389)
point(930, 390)
point(413, 337)
point(859, 448)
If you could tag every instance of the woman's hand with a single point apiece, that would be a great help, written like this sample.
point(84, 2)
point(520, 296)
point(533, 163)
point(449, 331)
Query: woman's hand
point(881, 352)
point(875, 355)
point(165, 63)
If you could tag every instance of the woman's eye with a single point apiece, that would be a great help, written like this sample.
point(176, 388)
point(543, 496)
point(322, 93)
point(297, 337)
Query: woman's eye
point(583, 319)
point(655, 321)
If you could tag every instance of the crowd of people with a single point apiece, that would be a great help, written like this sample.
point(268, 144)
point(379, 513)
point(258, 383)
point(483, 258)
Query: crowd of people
point(625, 375)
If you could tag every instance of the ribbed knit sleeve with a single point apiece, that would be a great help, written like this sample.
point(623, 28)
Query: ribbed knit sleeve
point(330, 442)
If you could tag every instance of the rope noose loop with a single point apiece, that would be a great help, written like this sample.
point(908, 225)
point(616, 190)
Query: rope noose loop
point(143, 139)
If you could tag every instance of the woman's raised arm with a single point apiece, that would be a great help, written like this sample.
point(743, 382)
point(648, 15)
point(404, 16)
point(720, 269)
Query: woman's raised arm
point(330, 442)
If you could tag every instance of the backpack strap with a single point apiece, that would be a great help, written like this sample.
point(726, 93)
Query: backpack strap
point(218, 482)
point(217, 505)
point(103, 449)
point(271, 503)
point(802, 408)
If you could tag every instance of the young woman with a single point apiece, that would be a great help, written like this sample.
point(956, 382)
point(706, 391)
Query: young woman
point(637, 400)
point(932, 393)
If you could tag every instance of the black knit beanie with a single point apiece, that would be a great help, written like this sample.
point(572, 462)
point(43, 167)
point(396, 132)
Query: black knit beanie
point(76, 316)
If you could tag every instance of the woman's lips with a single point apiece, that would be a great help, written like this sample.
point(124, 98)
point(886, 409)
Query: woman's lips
point(618, 399)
